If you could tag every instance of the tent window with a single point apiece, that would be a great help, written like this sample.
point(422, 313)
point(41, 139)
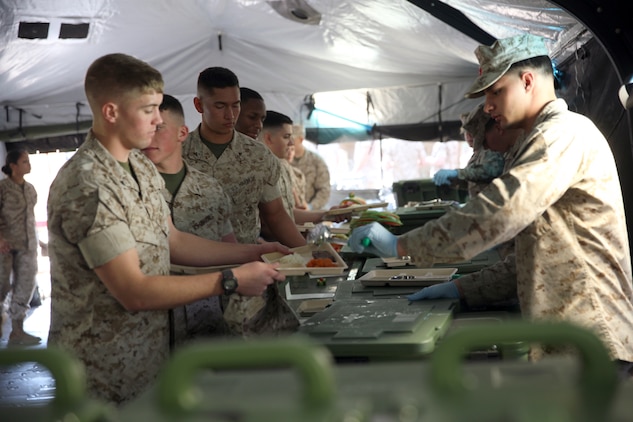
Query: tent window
point(68, 30)
point(33, 30)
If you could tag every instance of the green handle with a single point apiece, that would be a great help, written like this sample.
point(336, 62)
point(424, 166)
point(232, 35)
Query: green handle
point(598, 380)
point(70, 378)
point(176, 393)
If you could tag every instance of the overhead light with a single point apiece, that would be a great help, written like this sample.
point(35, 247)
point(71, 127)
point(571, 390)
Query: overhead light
point(297, 11)
point(626, 93)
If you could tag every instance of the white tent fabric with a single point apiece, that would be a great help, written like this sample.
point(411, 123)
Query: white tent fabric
point(394, 50)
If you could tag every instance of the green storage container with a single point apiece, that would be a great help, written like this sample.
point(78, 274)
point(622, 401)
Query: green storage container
point(386, 329)
point(418, 190)
point(293, 379)
point(70, 402)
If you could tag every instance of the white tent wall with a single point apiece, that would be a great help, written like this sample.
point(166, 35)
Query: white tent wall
point(366, 45)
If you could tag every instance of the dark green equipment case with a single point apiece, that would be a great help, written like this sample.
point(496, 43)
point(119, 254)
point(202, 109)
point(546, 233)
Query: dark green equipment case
point(385, 329)
point(293, 379)
point(70, 402)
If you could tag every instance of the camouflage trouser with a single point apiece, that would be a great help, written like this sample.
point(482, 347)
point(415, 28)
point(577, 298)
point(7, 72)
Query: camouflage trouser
point(200, 319)
point(23, 265)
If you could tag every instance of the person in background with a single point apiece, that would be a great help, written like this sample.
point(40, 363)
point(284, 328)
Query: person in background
point(298, 181)
point(484, 165)
point(315, 170)
point(277, 135)
point(559, 198)
point(252, 113)
point(246, 169)
point(198, 205)
point(18, 244)
point(112, 241)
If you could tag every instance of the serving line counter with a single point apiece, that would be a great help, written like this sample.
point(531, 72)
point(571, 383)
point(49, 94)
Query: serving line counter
point(359, 322)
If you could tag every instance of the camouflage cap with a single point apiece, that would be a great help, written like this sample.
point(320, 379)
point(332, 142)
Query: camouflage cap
point(495, 60)
point(475, 124)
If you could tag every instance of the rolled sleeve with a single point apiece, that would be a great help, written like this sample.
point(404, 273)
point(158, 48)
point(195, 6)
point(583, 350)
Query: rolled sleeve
point(105, 245)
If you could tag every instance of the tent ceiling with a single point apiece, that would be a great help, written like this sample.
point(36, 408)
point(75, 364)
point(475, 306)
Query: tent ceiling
point(394, 48)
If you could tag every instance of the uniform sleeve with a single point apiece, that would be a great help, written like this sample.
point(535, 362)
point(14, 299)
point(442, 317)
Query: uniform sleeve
point(93, 220)
point(271, 186)
point(493, 285)
point(487, 167)
point(524, 192)
point(321, 185)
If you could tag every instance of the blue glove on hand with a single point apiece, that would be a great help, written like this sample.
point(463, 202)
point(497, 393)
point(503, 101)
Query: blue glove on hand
point(442, 177)
point(446, 290)
point(381, 241)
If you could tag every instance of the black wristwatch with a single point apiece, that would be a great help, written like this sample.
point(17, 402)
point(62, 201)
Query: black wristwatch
point(229, 282)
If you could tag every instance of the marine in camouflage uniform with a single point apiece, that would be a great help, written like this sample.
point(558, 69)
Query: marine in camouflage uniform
point(485, 164)
point(17, 227)
point(286, 187)
point(317, 178)
point(96, 211)
point(201, 207)
point(248, 173)
point(299, 187)
point(561, 200)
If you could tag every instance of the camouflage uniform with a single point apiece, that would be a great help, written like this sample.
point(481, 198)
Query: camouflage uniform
point(201, 207)
point(17, 226)
point(285, 187)
point(96, 211)
point(317, 178)
point(561, 200)
point(484, 165)
point(299, 184)
point(248, 173)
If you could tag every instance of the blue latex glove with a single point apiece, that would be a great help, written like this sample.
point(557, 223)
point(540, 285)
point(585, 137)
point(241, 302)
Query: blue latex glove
point(442, 177)
point(375, 239)
point(446, 290)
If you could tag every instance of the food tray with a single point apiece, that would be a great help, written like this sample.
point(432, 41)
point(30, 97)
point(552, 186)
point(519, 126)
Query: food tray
point(421, 277)
point(355, 208)
point(397, 261)
point(306, 227)
point(306, 252)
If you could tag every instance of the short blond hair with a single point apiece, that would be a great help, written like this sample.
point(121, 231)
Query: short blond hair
point(298, 131)
point(117, 75)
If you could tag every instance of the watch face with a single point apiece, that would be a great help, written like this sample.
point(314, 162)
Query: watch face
point(229, 282)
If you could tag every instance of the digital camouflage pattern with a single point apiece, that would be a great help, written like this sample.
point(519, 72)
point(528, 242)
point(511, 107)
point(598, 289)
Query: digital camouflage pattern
point(494, 285)
point(248, 173)
point(201, 207)
point(285, 187)
point(299, 186)
point(17, 227)
point(265, 315)
point(317, 177)
point(484, 165)
point(561, 200)
point(96, 211)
